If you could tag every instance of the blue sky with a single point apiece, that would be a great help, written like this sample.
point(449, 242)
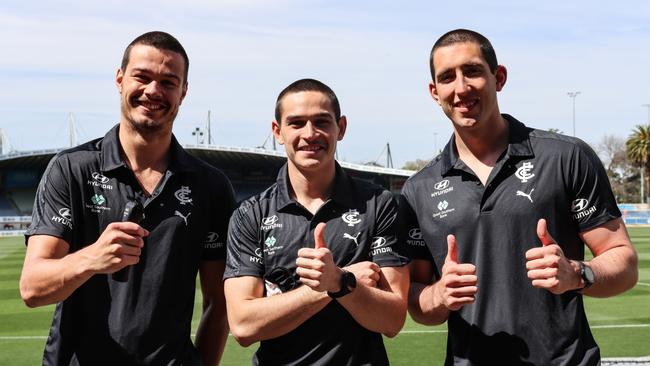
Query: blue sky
point(61, 57)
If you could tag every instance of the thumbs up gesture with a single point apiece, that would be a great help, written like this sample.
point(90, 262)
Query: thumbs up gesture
point(458, 282)
point(547, 266)
point(316, 267)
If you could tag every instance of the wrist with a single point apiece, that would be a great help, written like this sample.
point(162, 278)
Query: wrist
point(347, 284)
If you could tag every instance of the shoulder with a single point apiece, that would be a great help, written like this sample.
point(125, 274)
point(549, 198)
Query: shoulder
point(557, 144)
point(259, 202)
point(427, 173)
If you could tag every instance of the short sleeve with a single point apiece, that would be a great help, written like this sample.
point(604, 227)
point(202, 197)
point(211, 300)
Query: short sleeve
point(593, 201)
point(410, 231)
point(52, 213)
point(386, 249)
point(244, 250)
point(222, 206)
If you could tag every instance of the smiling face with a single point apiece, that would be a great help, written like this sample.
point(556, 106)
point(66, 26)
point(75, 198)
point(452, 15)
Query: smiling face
point(465, 87)
point(308, 130)
point(152, 88)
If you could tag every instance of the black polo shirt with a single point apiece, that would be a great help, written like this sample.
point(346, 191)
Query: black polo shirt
point(147, 319)
point(540, 175)
point(266, 233)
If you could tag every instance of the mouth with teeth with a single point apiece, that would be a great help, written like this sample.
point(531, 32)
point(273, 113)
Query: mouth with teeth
point(150, 106)
point(465, 105)
point(311, 148)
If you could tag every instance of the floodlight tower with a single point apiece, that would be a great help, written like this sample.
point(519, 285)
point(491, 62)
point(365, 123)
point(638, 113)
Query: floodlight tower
point(573, 96)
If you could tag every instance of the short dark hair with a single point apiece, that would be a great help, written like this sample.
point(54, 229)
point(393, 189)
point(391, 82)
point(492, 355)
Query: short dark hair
point(461, 36)
point(303, 85)
point(161, 41)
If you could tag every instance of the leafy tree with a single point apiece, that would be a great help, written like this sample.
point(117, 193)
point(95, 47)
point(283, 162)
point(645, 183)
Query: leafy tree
point(415, 165)
point(638, 149)
point(623, 175)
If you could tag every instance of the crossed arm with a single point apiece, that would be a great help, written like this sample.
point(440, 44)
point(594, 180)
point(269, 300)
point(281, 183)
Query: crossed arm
point(253, 317)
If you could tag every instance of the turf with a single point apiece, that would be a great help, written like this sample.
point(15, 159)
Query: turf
point(23, 331)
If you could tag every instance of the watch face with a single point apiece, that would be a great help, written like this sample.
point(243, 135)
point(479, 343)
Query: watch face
point(589, 274)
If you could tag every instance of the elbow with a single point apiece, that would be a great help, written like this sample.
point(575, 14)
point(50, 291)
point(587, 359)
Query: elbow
point(396, 326)
point(29, 296)
point(245, 336)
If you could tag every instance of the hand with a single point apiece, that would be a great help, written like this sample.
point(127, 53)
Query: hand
point(458, 283)
point(118, 246)
point(367, 273)
point(547, 266)
point(316, 266)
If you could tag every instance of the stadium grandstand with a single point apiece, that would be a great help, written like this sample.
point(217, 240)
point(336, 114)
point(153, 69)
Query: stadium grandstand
point(250, 170)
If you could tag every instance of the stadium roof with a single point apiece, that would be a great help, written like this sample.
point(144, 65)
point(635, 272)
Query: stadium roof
point(237, 158)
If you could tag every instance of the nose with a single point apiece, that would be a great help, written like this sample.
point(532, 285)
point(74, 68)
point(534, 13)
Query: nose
point(461, 86)
point(153, 88)
point(310, 131)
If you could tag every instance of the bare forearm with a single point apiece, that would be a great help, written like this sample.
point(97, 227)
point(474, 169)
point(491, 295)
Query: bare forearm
point(375, 309)
point(616, 271)
point(212, 334)
point(423, 307)
point(48, 281)
point(264, 318)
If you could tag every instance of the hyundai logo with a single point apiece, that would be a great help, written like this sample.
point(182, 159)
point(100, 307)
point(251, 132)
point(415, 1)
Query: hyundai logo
point(579, 204)
point(415, 234)
point(441, 185)
point(378, 242)
point(100, 178)
point(65, 213)
point(269, 220)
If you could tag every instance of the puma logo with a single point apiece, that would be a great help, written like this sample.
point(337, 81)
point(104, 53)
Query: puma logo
point(353, 238)
point(527, 195)
point(183, 217)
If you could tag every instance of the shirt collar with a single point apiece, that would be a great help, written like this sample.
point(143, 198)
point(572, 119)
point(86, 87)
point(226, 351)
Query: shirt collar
point(179, 159)
point(518, 145)
point(343, 192)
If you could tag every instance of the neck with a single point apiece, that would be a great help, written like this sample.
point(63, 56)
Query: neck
point(485, 144)
point(144, 151)
point(311, 188)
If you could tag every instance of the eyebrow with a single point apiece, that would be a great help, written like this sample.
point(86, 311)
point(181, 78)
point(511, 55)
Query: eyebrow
point(168, 74)
point(317, 115)
point(470, 64)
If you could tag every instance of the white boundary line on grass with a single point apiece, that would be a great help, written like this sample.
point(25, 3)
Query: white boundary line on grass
point(613, 326)
point(643, 284)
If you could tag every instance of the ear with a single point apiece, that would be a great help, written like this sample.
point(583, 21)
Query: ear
point(275, 128)
point(501, 75)
point(118, 80)
point(184, 93)
point(434, 92)
point(343, 125)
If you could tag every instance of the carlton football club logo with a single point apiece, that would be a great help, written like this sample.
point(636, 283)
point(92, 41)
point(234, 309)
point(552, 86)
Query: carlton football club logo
point(351, 217)
point(523, 173)
point(183, 195)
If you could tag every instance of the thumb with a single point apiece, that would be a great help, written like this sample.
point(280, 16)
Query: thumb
point(543, 234)
point(452, 250)
point(319, 236)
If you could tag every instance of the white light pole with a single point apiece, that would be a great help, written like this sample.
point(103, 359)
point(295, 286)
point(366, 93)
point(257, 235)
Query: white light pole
point(573, 96)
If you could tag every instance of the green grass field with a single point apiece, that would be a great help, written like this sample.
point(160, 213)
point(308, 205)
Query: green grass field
point(620, 324)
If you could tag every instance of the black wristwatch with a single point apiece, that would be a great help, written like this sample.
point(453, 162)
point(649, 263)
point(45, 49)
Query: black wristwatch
point(348, 283)
point(587, 275)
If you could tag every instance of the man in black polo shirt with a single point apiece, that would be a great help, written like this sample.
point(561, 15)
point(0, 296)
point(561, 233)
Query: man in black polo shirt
point(498, 223)
point(141, 314)
point(314, 269)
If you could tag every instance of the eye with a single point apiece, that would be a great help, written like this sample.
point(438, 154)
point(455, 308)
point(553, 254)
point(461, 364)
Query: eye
point(445, 77)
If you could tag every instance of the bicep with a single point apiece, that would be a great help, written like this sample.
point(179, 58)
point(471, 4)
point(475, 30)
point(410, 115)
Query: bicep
point(243, 288)
point(211, 277)
point(46, 247)
point(395, 280)
point(604, 237)
point(421, 271)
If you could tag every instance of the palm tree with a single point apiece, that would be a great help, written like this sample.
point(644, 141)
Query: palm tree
point(638, 149)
